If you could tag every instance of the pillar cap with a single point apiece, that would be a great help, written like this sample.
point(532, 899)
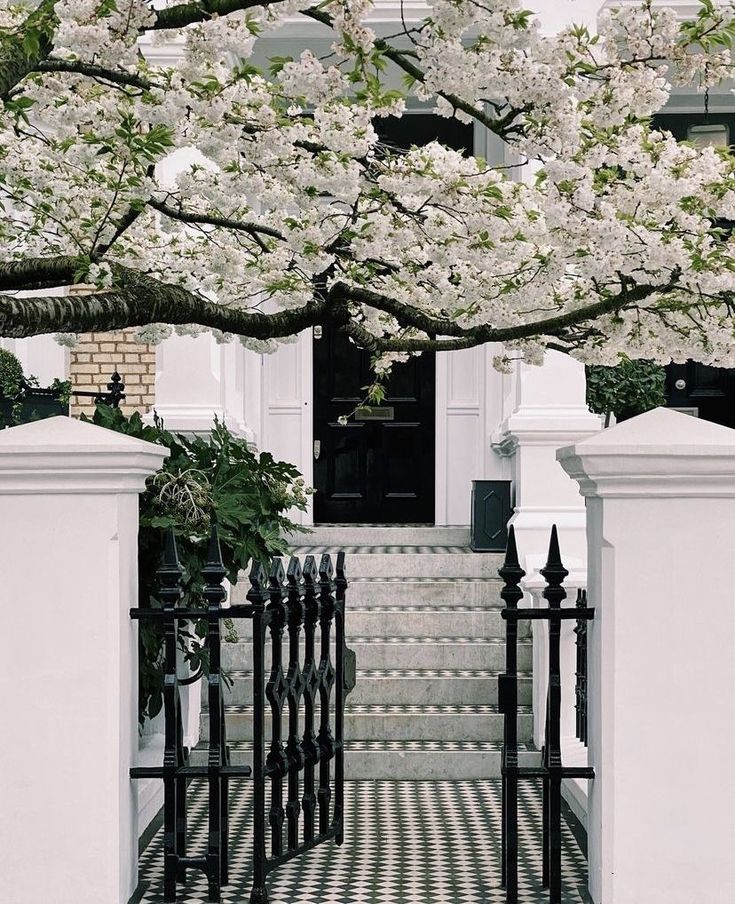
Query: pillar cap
point(659, 453)
point(64, 455)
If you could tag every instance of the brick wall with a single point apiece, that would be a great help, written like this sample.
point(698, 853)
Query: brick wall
point(97, 355)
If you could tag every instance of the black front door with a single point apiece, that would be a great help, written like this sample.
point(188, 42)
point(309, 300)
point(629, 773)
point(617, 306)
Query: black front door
point(379, 467)
point(706, 392)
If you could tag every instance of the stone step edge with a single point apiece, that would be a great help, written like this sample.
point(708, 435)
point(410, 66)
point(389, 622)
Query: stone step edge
point(388, 709)
point(413, 674)
point(424, 610)
point(415, 640)
point(384, 746)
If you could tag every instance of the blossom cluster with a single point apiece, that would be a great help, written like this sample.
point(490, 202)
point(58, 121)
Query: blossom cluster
point(611, 240)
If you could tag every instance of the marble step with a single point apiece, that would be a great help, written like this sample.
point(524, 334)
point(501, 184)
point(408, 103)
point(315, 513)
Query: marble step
point(414, 591)
point(428, 620)
point(337, 535)
point(420, 652)
point(406, 760)
point(403, 686)
point(399, 722)
point(407, 561)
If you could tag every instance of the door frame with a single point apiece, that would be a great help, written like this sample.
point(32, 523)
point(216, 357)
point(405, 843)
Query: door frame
point(447, 405)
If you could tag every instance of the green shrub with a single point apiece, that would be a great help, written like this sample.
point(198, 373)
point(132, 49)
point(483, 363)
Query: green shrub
point(11, 375)
point(627, 389)
point(248, 492)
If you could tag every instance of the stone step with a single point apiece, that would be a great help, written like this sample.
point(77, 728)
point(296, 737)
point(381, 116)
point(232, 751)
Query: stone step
point(419, 652)
point(338, 535)
point(402, 686)
point(407, 561)
point(399, 722)
point(406, 760)
point(409, 591)
point(430, 621)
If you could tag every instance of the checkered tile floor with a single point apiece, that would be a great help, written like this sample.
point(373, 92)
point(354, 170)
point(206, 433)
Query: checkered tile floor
point(380, 550)
point(405, 843)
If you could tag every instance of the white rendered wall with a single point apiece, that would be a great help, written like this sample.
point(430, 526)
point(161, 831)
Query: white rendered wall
point(288, 417)
point(660, 492)
point(467, 409)
point(68, 675)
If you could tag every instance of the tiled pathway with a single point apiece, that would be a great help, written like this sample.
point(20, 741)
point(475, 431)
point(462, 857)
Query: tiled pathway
point(405, 843)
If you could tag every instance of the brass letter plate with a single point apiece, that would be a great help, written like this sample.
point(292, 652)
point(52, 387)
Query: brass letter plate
point(375, 413)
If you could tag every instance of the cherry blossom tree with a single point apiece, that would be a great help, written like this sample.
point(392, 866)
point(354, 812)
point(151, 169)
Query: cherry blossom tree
point(604, 234)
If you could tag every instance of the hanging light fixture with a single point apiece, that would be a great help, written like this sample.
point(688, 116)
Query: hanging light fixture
point(709, 134)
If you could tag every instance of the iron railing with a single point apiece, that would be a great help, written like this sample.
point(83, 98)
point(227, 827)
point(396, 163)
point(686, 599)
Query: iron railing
point(551, 772)
point(306, 597)
point(580, 686)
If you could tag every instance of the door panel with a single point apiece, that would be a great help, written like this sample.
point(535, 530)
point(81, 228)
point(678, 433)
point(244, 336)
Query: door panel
point(372, 471)
point(708, 392)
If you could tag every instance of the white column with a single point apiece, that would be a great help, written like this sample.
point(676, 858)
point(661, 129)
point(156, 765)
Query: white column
point(68, 671)
point(660, 494)
point(550, 411)
point(198, 379)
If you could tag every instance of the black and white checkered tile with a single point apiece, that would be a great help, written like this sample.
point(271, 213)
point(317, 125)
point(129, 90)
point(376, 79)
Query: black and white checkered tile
point(379, 550)
point(425, 842)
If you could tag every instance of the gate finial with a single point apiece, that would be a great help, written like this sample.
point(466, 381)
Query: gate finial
point(554, 572)
point(511, 572)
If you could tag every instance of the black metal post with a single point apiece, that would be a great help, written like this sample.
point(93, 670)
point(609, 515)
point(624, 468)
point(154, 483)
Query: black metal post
point(295, 685)
point(276, 691)
point(511, 594)
point(554, 574)
point(340, 694)
point(311, 687)
point(169, 576)
point(258, 596)
point(214, 595)
point(326, 683)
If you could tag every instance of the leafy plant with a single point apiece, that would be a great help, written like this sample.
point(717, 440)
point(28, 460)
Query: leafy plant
point(249, 493)
point(627, 389)
point(11, 375)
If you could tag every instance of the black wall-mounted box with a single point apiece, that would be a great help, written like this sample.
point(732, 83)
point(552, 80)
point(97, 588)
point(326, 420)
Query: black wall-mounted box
point(491, 510)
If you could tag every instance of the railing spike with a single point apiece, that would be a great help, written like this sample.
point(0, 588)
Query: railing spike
point(277, 573)
point(511, 549)
point(554, 556)
point(170, 555)
point(257, 576)
point(214, 551)
point(294, 570)
point(326, 569)
point(310, 572)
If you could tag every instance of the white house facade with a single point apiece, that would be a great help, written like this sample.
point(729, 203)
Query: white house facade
point(459, 420)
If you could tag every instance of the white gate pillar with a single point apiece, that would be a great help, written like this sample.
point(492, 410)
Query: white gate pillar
point(68, 676)
point(550, 411)
point(660, 494)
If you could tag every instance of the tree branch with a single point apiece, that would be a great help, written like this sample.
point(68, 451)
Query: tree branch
point(141, 300)
point(207, 220)
point(114, 76)
point(32, 273)
point(499, 126)
point(198, 11)
point(469, 337)
point(16, 59)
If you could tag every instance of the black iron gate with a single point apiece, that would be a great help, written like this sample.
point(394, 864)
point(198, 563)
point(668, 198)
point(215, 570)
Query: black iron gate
point(308, 598)
point(551, 772)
